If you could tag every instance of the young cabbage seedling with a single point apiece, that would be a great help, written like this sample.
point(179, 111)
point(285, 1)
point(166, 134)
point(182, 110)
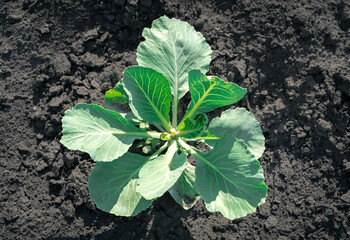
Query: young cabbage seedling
point(172, 60)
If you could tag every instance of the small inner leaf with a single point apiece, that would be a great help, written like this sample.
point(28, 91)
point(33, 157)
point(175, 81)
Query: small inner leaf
point(191, 128)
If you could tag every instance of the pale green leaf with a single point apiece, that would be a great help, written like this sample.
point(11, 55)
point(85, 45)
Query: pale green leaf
point(161, 173)
point(102, 133)
point(150, 95)
point(191, 128)
point(209, 94)
point(173, 48)
point(113, 184)
point(183, 190)
point(241, 124)
point(229, 179)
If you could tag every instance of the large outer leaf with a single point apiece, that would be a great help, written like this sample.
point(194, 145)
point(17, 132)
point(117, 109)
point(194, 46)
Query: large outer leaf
point(183, 190)
point(209, 94)
point(113, 184)
point(161, 173)
point(149, 93)
point(102, 133)
point(241, 124)
point(173, 48)
point(229, 179)
point(191, 128)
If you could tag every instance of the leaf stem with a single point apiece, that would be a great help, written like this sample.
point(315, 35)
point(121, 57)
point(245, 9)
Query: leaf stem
point(196, 106)
point(154, 134)
point(202, 138)
point(142, 134)
point(194, 152)
point(183, 144)
point(175, 104)
point(159, 150)
point(159, 127)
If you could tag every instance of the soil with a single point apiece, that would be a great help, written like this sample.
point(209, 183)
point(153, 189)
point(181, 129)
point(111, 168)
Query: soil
point(292, 56)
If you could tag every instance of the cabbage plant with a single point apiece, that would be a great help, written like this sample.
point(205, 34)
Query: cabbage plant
point(173, 61)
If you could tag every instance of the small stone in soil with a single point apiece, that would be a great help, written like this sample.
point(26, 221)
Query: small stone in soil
point(90, 35)
point(237, 66)
point(146, 3)
point(88, 60)
point(95, 84)
point(51, 129)
point(279, 105)
point(105, 87)
point(54, 90)
point(61, 64)
point(82, 91)
point(119, 2)
point(199, 23)
point(346, 197)
point(264, 93)
point(271, 222)
point(55, 102)
point(323, 125)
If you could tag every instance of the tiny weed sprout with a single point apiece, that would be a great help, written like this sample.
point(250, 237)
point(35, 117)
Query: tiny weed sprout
point(173, 60)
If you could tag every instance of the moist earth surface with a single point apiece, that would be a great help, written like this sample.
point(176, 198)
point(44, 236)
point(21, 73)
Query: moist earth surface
point(292, 56)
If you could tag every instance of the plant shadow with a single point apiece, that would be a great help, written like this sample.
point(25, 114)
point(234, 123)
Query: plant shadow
point(163, 220)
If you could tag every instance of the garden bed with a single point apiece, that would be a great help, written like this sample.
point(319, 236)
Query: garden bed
point(293, 58)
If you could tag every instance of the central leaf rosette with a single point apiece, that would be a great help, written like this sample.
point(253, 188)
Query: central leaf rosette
point(173, 60)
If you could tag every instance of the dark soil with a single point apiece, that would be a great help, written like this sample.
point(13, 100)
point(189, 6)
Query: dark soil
point(293, 57)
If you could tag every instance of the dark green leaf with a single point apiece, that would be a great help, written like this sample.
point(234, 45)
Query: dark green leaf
point(209, 94)
point(149, 93)
point(191, 128)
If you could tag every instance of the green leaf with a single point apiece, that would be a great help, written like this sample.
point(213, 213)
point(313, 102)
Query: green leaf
point(173, 48)
point(113, 184)
point(241, 124)
point(183, 190)
point(191, 128)
point(116, 96)
point(149, 93)
point(229, 179)
point(102, 133)
point(161, 173)
point(209, 94)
